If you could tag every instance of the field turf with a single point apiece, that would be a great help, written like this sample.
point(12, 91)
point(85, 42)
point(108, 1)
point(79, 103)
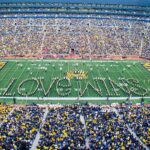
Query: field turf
point(48, 78)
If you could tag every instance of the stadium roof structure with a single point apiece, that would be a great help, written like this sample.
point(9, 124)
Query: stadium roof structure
point(118, 2)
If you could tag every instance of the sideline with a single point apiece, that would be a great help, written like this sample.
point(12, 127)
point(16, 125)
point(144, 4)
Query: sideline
point(69, 60)
point(74, 98)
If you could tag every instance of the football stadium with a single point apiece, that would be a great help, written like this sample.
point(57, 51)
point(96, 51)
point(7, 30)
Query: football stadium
point(74, 75)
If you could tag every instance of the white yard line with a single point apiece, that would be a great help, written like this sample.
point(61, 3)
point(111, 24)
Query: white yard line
point(14, 72)
point(37, 72)
point(7, 71)
point(142, 73)
point(85, 83)
point(20, 75)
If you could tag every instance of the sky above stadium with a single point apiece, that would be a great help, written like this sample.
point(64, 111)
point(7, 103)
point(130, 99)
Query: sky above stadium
point(127, 2)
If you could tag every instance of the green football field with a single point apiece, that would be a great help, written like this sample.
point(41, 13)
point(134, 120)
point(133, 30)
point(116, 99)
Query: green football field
point(74, 78)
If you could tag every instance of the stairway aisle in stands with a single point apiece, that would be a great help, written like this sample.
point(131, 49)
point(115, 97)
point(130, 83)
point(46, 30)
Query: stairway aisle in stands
point(87, 142)
point(35, 143)
point(132, 132)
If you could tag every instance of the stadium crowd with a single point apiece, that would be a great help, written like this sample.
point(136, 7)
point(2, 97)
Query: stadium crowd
point(139, 121)
point(4, 111)
point(26, 36)
point(108, 131)
point(75, 127)
point(18, 131)
point(62, 129)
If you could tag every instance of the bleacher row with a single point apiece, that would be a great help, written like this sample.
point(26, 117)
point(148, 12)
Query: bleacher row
point(103, 37)
point(74, 127)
